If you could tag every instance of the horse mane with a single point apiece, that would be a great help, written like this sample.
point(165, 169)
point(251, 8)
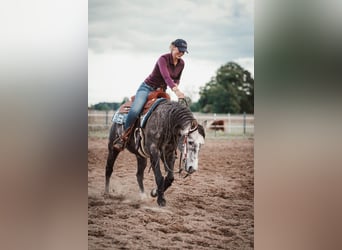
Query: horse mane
point(177, 119)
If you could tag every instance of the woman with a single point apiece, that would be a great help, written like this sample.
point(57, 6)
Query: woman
point(166, 73)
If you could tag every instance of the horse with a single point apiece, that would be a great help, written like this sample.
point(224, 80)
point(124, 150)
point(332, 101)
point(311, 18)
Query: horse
point(217, 125)
point(171, 126)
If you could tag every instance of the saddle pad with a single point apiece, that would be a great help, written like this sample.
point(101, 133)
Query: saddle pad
point(145, 117)
point(119, 118)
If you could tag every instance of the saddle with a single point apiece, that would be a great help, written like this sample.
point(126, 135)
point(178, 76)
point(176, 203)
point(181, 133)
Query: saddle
point(151, 99)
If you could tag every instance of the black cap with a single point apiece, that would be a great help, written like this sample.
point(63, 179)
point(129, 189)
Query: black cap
point(181, 45)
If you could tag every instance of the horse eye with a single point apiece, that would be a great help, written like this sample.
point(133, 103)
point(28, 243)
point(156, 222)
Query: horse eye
point(191, 143)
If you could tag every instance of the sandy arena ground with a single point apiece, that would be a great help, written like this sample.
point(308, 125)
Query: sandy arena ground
point(212, 209)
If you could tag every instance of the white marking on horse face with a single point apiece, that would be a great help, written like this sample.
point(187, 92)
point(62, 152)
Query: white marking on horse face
point(194, 142)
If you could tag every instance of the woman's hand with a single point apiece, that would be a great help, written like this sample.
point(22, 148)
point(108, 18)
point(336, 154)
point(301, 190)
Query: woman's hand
point(178, 93)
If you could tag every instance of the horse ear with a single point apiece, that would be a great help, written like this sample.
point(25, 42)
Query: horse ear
point(201, 130)
point(194, 125)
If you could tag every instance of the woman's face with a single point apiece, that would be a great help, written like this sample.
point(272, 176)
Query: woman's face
point(176, 53)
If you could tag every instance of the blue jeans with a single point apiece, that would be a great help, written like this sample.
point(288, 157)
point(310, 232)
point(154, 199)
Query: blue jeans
point(138, 104)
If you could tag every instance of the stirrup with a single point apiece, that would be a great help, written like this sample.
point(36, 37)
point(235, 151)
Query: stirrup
point(119, 144)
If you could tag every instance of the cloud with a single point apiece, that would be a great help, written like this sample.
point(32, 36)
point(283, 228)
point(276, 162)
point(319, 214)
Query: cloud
point(125, 37)
point(215, 30)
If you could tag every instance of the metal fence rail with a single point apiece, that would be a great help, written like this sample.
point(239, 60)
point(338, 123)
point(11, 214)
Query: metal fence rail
point(226, 124)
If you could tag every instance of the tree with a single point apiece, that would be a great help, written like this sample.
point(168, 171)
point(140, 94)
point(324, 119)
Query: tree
point(101, 106)
point(230, 91)
point(106, 106)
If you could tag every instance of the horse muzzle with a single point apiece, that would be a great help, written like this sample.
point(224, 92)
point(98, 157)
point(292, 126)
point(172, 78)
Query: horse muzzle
point(190, 170)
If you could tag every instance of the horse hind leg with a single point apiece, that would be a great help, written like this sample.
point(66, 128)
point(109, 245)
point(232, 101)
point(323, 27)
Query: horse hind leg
point(114, 133)
point(112, 155)
point(142, 162)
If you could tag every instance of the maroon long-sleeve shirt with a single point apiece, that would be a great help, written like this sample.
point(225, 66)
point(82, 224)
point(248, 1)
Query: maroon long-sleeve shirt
point(165, 73)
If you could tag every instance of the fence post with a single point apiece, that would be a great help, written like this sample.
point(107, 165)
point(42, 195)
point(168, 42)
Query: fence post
point(229, 127)
point(244, 123)
point(106, 117)
point(215, 124)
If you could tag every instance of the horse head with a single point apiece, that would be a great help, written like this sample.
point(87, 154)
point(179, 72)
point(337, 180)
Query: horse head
point(192, 137)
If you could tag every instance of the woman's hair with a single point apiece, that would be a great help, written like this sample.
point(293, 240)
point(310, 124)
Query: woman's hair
point(172, 45)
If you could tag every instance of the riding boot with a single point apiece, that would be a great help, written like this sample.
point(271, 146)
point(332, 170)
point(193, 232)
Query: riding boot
point(120, 143)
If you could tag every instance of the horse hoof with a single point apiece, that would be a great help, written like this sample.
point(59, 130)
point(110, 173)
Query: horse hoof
point(154, 192)
point(106, 195)
point(143, 196)
point(106, 192)
point(161, 202)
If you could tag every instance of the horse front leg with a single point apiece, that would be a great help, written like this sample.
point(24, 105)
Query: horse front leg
point(169, 163)
point(159, 181)
point(168, 180)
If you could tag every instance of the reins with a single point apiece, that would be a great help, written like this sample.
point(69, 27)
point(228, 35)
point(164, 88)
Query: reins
point(182, 160)
point(183, 154)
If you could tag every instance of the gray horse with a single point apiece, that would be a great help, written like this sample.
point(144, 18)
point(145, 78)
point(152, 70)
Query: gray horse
point(170, 126)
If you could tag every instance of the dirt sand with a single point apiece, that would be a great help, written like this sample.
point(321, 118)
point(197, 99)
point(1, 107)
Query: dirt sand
point(212, 209)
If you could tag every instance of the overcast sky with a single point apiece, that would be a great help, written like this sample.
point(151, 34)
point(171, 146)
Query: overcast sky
point(126, 37)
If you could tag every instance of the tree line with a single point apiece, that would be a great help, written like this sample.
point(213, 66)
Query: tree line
point(231, 90)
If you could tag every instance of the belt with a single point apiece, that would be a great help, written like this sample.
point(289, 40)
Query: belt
point(156, 88)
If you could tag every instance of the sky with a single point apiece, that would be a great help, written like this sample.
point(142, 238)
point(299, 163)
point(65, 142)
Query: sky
point(126, 38)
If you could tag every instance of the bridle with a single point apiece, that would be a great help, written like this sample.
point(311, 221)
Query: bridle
point(185, 150)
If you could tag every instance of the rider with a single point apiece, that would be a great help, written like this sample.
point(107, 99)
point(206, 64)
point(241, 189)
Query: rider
point(167, 72)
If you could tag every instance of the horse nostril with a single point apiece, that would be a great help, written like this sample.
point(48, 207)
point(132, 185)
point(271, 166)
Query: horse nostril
point(191, 170)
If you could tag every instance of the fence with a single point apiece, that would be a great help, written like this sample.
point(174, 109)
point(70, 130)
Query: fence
point(216, 125)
